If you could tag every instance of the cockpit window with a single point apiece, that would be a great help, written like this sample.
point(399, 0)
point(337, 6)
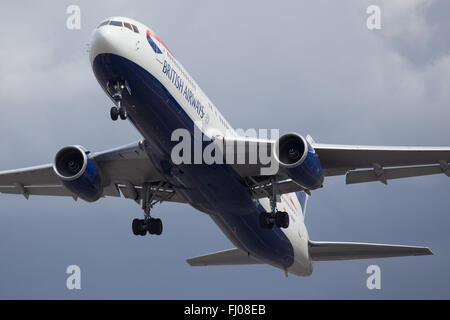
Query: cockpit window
point(103, 23)
point(127, 25)
point(116, 23)
point(135, 28)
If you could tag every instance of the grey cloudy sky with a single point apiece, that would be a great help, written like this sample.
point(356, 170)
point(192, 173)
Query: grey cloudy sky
point(306, 66)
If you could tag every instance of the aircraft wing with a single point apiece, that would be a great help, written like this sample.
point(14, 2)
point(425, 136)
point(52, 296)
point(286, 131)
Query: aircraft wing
point(123, 170)
point(385, 163)
point(357, 163)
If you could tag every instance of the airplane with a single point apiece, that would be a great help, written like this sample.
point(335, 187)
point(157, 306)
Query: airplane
point(261, 213)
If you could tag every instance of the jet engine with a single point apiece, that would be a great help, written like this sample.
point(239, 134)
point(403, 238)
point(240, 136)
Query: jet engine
point(299, 161)
point(78, 173)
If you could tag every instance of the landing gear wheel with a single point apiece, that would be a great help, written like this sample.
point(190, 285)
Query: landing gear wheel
point(266, 220)
point(136, 226)
point(155, 226)
point(282, 219)
point(143, 231)
point(139, 227)
point(123, 113)
point(151, 226)
point(143, 227)
point(158, 226)
point(114, 113)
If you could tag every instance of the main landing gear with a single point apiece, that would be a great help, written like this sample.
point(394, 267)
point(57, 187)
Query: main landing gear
point(148, 224)
point(279, 218)
point(116, 90)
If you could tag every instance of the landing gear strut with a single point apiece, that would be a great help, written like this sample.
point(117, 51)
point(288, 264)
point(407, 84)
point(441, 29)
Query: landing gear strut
point(116, 90)
point(148, 224)
point(279, 218)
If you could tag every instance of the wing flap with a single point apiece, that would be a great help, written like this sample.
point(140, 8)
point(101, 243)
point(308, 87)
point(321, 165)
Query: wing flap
point(159, 194)
point(263, 190)
point(223, 258)
point(329, 251)
point(38, 191)
point(383, 175)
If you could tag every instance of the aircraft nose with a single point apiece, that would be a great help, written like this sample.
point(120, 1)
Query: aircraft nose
point(103, 40)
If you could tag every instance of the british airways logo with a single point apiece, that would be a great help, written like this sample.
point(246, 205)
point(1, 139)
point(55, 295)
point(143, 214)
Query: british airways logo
point(153, 44)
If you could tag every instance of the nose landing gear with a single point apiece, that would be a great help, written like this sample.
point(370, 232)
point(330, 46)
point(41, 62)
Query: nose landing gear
point(116, 91)
point(118, 111)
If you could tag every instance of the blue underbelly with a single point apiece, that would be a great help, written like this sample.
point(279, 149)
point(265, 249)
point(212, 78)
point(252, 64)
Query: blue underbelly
point(215, 189)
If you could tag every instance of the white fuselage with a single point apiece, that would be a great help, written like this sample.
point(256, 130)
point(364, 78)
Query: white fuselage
point(136, 47)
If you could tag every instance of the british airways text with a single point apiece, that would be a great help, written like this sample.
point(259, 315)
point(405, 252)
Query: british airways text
point(178, 82)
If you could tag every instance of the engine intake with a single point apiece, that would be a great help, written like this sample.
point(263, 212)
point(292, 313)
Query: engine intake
point(299, 160)
point(78, 173)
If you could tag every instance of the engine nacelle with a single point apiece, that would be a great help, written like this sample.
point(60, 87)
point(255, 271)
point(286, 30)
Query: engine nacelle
point(299, 161)
point(78, 173)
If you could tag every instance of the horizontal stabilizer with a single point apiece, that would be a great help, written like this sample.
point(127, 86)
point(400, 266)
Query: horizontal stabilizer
point(223, 258)
point(327, 251)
